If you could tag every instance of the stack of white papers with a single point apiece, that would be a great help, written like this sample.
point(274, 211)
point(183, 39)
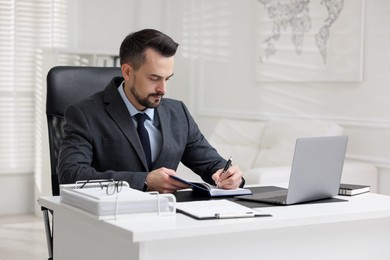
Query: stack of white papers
point(128, 201)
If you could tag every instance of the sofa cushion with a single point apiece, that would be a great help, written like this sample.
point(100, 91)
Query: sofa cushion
point(238, 138)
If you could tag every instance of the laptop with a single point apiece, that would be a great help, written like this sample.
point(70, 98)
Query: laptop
point(315, 173)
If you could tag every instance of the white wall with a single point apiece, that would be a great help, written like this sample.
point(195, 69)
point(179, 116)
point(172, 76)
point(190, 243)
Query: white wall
point(102, 25)
point(16, 193)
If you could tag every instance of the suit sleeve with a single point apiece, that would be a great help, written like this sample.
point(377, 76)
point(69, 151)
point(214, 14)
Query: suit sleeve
point(76, 155)
point(199, 155)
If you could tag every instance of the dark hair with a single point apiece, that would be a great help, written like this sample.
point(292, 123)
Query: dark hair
point(133, 47)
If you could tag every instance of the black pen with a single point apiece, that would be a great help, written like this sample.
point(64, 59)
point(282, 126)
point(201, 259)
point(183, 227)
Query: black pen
point(228, 164)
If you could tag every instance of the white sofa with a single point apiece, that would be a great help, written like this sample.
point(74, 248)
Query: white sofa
point(264, 150)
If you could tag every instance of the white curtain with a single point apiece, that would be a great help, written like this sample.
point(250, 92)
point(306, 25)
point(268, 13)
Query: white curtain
point(25, 27)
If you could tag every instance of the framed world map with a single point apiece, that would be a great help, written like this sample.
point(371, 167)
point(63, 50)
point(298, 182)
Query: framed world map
point(309, 40)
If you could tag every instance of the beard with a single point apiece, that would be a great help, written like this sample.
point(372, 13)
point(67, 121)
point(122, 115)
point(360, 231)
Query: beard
point(151, 101)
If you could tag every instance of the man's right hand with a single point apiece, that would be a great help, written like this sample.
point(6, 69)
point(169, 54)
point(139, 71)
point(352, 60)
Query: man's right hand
point(159, 180)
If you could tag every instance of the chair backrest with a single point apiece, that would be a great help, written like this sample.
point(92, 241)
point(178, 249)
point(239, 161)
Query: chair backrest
point(66, 85)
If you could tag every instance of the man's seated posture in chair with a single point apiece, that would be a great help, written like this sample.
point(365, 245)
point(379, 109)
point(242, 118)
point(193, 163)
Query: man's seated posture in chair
point(129, 132)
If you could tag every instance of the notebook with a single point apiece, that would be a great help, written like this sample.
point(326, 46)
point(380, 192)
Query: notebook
point(209, 190)
point(315, 173)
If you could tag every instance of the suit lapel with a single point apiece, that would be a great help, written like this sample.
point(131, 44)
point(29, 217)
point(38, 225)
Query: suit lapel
point(119, 113)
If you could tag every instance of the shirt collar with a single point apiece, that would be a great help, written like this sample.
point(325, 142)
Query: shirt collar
point(132, 110)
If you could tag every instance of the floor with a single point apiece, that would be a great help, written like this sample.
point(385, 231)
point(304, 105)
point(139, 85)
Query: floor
point(22, 237)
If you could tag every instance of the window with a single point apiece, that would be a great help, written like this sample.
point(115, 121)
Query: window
point(25, 26)
point(206, 32)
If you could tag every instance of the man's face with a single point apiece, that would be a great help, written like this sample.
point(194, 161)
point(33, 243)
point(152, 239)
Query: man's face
point(146, 86)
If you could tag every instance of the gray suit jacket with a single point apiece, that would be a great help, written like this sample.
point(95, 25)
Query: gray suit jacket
point(101, 141)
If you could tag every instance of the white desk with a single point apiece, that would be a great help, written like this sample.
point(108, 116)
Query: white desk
point(358, 229)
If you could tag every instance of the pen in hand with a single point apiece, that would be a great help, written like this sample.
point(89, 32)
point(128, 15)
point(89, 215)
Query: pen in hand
point(228, 164)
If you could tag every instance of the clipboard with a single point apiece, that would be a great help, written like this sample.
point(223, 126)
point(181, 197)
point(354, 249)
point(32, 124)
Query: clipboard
point(217, 209)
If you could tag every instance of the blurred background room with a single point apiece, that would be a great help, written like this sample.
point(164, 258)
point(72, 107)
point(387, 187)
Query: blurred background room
point(281, 68)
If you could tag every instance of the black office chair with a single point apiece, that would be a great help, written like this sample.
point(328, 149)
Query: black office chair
point(66, 85)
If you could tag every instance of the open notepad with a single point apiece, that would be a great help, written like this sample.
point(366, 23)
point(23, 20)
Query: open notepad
point(210, 190)
point(217, 209)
